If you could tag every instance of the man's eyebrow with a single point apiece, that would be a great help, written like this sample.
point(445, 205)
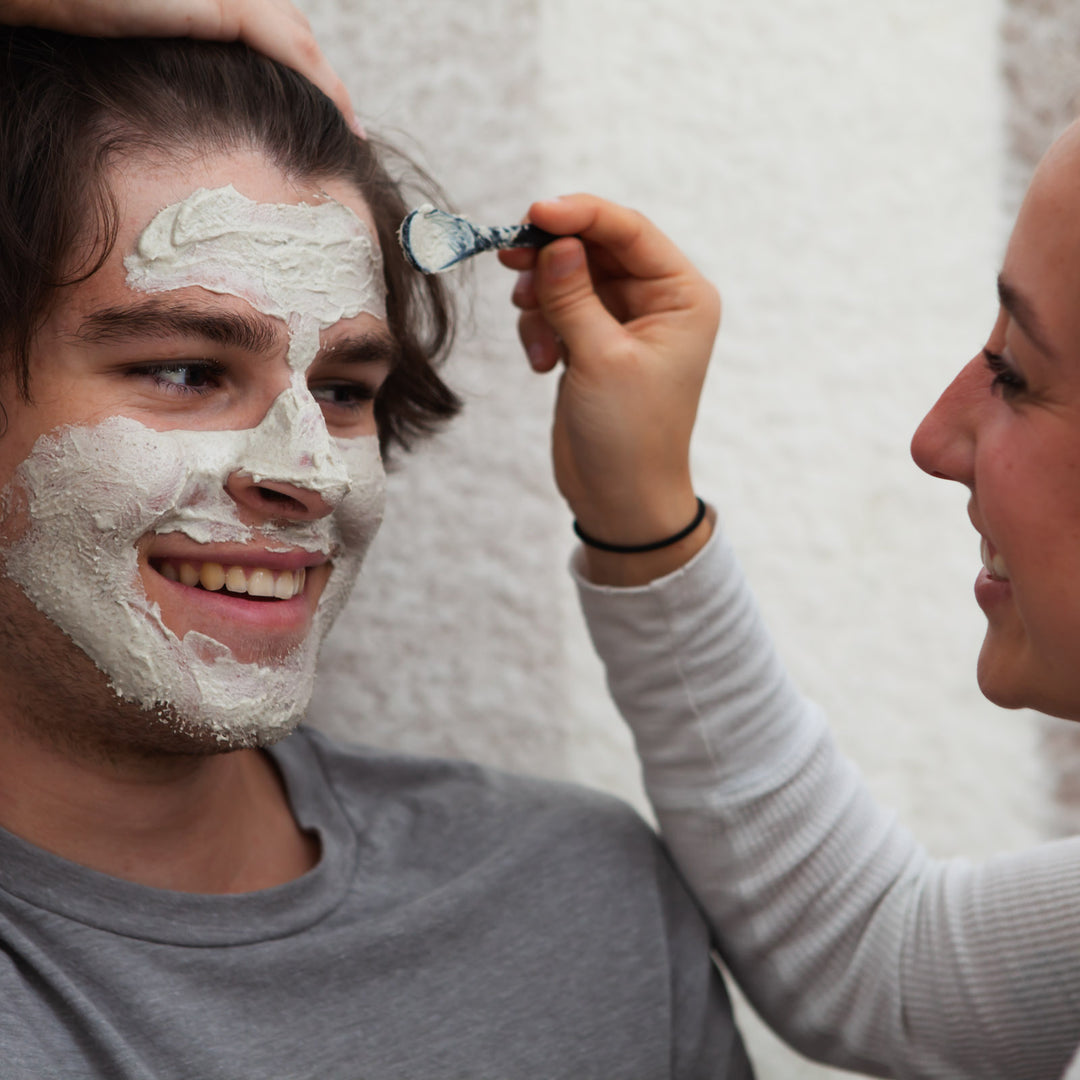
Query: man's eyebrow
point(371, 348)
point(157, 318)
point(1022, 312)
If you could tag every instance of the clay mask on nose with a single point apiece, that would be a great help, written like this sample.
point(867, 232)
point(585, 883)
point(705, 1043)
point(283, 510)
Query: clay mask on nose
point(94, 492)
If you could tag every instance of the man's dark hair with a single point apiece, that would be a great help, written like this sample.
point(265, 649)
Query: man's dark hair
point(71, 107)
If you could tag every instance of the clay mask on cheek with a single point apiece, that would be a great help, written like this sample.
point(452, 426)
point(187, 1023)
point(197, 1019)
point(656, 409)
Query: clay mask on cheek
point(94, 492)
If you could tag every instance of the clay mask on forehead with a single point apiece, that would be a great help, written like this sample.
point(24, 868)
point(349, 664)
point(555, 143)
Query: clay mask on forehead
point(309, 265)
point(94, 492)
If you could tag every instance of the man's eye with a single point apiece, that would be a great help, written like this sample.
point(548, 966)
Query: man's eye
point(343, 395)
point(188, 377)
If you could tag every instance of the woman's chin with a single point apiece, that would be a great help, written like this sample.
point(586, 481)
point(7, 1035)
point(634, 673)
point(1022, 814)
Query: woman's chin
point(1010, 679)
point(1000, 673)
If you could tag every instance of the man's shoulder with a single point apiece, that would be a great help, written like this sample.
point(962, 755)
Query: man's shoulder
point(466, 790)
point(453, 806)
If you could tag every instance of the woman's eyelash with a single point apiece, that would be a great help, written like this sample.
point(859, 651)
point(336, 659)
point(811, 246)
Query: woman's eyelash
point(1006, 378)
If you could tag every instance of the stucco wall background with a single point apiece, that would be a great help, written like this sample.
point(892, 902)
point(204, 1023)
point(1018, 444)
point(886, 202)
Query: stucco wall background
point(840, 171)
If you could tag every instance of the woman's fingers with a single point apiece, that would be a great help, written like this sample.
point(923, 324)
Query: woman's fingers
point(626, 240)
point(542, 345)
point(568, 302)
point(518, 258)
point(284, 34)
point(617, 285)
point(633, 321)
point(273, 27)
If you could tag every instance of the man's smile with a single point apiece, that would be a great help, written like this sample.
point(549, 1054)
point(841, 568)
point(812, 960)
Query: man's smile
point(235, 570)
point(228, 591)
point(258, 583)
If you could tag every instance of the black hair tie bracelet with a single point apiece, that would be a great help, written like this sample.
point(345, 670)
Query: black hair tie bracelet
point(637, 549)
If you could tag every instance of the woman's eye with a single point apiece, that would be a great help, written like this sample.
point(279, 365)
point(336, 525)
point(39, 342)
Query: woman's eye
point(1006, 378)
point(343, 395)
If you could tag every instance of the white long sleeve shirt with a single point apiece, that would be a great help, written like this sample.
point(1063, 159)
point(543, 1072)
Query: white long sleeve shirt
point(852, 942)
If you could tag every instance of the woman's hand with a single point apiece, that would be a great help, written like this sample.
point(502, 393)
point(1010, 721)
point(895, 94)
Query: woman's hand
point(272, 27)
point(633, 323)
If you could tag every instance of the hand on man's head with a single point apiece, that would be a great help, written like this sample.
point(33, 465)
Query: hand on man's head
point(273, 27)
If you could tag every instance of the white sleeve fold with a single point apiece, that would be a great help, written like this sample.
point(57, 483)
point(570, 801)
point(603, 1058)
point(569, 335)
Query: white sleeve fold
point(855, 946)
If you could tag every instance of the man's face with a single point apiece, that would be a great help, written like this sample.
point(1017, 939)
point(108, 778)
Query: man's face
point(191, 489)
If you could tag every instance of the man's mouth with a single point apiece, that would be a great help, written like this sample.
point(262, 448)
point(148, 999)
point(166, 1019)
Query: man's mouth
point(252, 582)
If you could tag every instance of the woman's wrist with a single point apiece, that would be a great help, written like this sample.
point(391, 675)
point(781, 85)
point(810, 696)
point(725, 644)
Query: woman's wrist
point(639, 547)
point(628, 569)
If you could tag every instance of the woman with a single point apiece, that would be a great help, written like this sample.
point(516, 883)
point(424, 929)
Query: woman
point(855, 945)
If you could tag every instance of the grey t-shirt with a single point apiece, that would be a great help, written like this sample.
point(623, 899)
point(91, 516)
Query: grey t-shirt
point(461, 923)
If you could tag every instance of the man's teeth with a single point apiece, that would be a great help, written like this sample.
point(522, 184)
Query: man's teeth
point(254, 581)
point(995, 564)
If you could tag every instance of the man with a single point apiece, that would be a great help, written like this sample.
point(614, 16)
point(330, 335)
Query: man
point(207, 334)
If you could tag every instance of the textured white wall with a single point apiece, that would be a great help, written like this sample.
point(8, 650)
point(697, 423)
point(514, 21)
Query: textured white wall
point(836, 169)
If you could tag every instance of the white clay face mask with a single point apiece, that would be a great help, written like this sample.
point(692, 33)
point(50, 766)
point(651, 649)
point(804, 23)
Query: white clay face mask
point(94, 492)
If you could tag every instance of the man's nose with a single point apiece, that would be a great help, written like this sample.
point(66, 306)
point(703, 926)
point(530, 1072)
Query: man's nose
point(944, 443)
point(277, 499)
point(290, 468)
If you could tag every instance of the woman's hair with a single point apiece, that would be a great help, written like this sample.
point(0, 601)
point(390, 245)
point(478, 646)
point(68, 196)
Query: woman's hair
point(71, 108)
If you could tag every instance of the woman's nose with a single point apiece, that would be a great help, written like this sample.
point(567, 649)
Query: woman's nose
point(944, 443)
point(276, 499)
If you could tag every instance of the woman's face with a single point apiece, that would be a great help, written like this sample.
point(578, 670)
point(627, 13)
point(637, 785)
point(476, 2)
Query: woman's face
point(1008, 427)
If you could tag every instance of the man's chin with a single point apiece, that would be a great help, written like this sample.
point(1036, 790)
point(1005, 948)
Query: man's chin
point(168, 731)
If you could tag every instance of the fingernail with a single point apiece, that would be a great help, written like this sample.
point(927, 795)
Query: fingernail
point(564, 261)
point(358, 127)
point(536, 356)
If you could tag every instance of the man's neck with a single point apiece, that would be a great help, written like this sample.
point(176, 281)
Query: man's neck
point(206, 823)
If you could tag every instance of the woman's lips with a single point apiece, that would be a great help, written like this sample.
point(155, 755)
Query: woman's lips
point(992, 586)
point(993, 561)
